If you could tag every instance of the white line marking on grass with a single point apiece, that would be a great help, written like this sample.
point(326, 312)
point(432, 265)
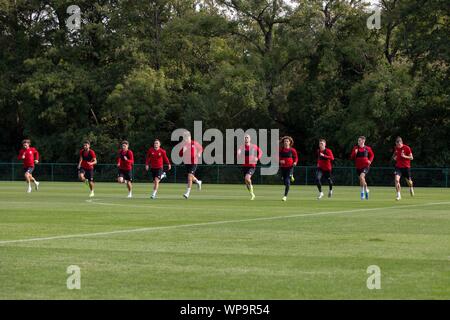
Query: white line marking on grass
point(201, 224)
point(151, 206)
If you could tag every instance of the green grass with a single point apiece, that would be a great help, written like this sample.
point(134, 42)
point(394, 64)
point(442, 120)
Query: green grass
point(305, 256)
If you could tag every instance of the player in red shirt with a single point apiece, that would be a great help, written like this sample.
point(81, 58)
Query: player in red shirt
point(324, 166)
point(125, 162)
point(249, 154)
point(363, 156)
point(191, 153)
point(288, 158)
point(403, 156)
point(88, 160)
point(155, 160)
point(30, 157)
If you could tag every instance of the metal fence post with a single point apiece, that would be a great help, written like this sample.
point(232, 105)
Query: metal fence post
point(52, 172)
point(175, 173)
point(306, 176)
point(352, 171)
point(12, 171)
point(218, 173)
point(446, 177)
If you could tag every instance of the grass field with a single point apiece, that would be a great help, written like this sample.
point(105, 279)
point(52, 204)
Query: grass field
point(220, 245)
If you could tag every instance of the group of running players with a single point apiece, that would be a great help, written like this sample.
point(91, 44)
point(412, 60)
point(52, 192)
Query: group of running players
point(248, 155)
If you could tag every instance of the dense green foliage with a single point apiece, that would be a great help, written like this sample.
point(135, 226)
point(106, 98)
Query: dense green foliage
point(140, 69)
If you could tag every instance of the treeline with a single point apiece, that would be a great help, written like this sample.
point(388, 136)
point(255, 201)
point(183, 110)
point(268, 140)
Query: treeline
point(138, 69)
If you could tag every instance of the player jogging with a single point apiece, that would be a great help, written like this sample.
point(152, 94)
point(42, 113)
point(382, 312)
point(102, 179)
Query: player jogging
point(88, 160)
point(30, 157)
point(288, 160)
point(155, 160)
point(324, 166)
point(191, 152)
point(125, 162)
point(249, 154)
point(403, 156)
point(363, 156)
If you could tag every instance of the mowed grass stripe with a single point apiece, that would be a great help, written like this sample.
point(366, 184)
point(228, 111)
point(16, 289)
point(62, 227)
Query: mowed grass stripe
point(200, 224)
point(325, 256)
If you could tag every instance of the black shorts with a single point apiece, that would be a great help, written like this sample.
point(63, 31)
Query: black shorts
point(28, 170)
point(248, 171)
point(363, 170)
point(190, 168)
point(157, 173)
point(88, 174)
point(322, 174)
point(126, 175)
point(287, 172)
point(405, 172)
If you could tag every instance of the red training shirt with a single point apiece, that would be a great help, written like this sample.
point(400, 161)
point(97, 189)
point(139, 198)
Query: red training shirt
point(156, 158)
point(190, 152)
point(288, 156)
point(362, 158)
point(403, 162)
point(250, 154)
point(31, 154)
point(87, 156)
point(324, 162)
point(126, 165)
